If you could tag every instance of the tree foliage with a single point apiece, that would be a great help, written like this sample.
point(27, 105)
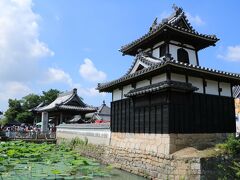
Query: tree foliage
point(20, 109)
point(25, 117)
point(14, 109)
point(49, 96)
point(30, 101)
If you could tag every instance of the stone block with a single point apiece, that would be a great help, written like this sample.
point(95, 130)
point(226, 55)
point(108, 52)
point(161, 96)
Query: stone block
point(195, 166)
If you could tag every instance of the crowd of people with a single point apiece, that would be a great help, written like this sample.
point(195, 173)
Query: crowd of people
point(26, 131)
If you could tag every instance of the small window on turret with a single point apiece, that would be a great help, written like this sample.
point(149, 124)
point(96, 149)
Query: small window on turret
point(182, 55)
point(163, 50)
point(140, 67)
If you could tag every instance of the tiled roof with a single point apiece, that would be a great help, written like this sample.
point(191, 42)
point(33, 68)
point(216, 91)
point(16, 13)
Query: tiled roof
point(77, 108)
point(177, 15)
point(171, 23)
point(37, 107)
point(104, 109)
point(145, 59)
point(172, 62)
point(63, 100)
point(75, 119)
point(160, 86)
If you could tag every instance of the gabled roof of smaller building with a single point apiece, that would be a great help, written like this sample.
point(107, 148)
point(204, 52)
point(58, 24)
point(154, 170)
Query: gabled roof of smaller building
point(104, 109)
point(178, 23)
point(67, 101)
point(161, 66)
point(103, 113)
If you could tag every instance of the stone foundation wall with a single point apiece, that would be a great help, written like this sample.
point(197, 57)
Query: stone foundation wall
point(154, 143)
point(164, 143)
point(152, 155)
point(198, 141)
point(153, 166)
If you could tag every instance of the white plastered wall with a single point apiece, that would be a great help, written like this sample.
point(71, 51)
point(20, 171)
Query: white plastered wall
point(191, 53)
point(117, 94)
point(178, 77)
point(126, 89)
point(159, 78)
point(226, 89)
point(197, 82)
point(156, 53)
point(212, 87)
point(156, 49)
point(142, 83)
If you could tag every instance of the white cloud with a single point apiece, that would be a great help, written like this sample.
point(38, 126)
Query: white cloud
point(89, 72)
point(232, 54)
point(55, 75)
point(13, 90)
point(20, 48)
point(58, 75)
point(90, 92)
point(195, 19)
point(19, 40)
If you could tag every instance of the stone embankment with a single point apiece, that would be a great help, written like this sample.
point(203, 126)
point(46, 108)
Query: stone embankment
point(158, 156)
point(184, 164)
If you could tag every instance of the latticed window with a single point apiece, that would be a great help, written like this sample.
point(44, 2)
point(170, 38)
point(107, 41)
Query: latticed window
point(182, 55)
point(163, 50)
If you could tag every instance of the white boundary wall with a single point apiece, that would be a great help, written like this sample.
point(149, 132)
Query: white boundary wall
point(94, 133)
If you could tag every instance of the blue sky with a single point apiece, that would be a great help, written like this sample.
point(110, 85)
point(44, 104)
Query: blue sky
point(64, 44)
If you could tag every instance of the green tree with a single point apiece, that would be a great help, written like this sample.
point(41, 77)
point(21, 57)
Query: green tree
point(19, 109)
point(50, 95)
point(14, 109)
point(25, 117)
point(30, 101)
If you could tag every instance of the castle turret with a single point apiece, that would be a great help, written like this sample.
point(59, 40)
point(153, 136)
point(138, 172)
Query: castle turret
point(167, 93)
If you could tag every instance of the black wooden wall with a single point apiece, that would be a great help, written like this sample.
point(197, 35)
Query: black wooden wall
point(172, 112)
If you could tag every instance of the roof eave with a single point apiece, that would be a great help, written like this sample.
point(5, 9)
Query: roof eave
point(235, 80)
point(131, 47)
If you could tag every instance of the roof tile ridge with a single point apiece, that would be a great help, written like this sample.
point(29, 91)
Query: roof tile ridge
point(207, 69)
point(210, 36)
point(73, 94)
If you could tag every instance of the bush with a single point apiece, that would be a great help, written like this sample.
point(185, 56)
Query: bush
point(231, 146)
point(77, 142)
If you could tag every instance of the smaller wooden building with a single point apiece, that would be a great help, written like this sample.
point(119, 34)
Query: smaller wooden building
point(63, 109)
point(102, 115)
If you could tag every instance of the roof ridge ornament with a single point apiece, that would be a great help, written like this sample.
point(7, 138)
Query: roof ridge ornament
point(177, 9)
point(168, 57)
point(154, 24)
point(139, 53)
